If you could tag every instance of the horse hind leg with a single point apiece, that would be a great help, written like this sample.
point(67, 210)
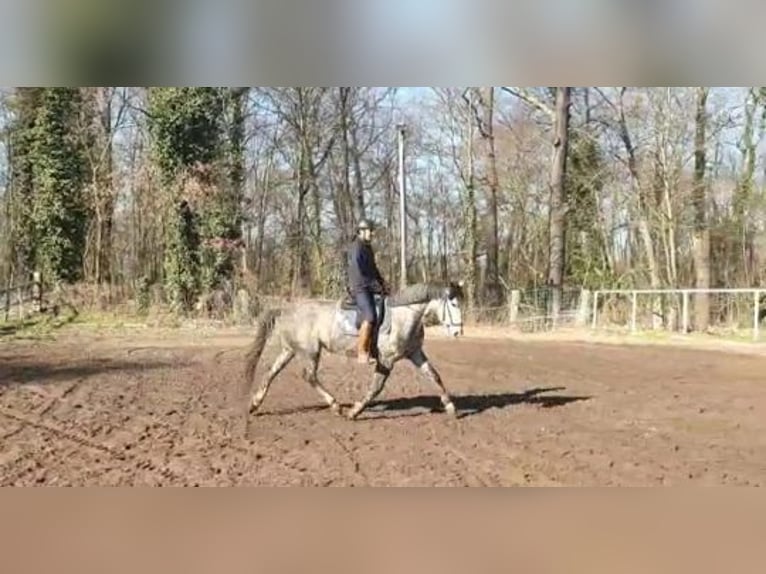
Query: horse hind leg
point(310, 376)
point(277, 367)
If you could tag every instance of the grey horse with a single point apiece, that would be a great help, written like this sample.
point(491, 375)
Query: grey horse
point(307, 329)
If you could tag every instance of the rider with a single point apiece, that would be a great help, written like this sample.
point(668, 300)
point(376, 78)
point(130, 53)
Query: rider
point(365, 281)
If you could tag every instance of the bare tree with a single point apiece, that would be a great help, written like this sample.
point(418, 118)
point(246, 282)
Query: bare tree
point(642, 205)
point(104, 113)
point(558, 206)
point(701, 240)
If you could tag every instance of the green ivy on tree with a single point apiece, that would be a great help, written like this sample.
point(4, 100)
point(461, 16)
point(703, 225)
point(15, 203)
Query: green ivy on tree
point(185, 127)
point(24, 104)
point(586, 261)
point(49, 161)
point(221, 218)
point(182, 258)
point(187, 140)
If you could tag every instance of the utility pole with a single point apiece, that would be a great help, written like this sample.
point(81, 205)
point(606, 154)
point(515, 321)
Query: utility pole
point(402, 209)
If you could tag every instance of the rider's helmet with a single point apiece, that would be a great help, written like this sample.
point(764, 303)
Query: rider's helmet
point(365, 223)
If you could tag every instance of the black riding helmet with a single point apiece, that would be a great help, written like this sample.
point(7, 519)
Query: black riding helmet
point(365, 223)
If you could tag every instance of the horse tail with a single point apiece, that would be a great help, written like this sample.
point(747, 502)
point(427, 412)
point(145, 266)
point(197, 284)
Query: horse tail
point(264, 327)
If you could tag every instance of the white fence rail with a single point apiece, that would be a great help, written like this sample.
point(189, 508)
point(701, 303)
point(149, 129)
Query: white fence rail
point(529, 310)
point(14, 296)
point(731, 309)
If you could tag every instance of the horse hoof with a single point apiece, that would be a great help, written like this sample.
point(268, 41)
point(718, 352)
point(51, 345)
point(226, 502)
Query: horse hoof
point(450, 409)
point(353, 413)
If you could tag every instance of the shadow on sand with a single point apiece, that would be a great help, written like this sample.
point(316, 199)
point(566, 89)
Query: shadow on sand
point(23, 370)
point(467, 405)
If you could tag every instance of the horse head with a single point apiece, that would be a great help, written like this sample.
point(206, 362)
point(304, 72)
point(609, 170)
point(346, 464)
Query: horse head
point(450, 310)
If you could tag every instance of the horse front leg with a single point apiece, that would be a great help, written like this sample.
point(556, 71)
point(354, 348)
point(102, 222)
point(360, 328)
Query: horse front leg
point(379, 378)
point(420, 360)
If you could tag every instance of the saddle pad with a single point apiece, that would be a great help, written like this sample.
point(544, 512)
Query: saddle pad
point(347, 319)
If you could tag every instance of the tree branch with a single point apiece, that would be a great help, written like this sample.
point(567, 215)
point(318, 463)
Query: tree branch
point(530, 99)
point(473, 108)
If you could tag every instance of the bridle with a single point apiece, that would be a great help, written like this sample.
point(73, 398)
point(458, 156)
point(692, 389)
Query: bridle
point(447, 312)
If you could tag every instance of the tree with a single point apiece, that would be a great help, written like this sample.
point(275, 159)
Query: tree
point(482, 102)
point(187, 143)
point(701, 239)
point(558, 206)
point(587, 259)
point(59, 216)
point(96, 130)
point(24, 105)
point(308, 140)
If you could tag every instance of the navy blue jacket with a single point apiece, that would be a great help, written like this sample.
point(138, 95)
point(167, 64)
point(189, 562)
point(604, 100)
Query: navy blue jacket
point(363, 274)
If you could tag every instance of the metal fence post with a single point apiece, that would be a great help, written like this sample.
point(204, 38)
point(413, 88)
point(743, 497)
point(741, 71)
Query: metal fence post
point(513, 306)
point(37, 291)
point(595, 310)
point(633, 311)
point(583, 308)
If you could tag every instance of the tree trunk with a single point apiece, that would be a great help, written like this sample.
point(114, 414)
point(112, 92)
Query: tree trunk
point(261, 221)
point(237, 166)
point(471, 222)
point(701, 240)
point(105, 185)
point(558, 206)
point(494, 248)
point(317, 273)
point(748, 149)
point(642, 209)
point(360, 204)
point(344, 204)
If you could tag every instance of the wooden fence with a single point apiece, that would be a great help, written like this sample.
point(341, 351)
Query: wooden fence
point(22, 297)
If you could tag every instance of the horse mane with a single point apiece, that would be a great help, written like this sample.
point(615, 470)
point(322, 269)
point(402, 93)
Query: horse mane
point(416, 294)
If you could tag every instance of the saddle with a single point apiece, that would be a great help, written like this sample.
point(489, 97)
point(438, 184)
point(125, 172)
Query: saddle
point(351, 318)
